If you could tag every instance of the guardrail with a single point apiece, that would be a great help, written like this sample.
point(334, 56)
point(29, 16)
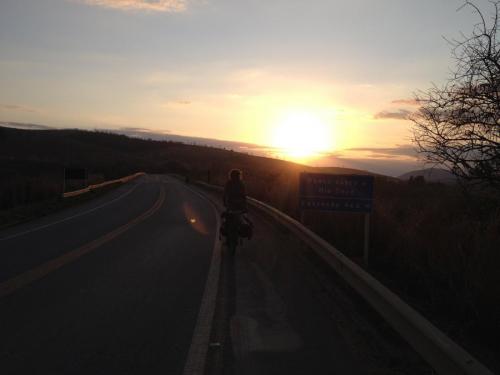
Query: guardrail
point(442, 353)
point(101, 185)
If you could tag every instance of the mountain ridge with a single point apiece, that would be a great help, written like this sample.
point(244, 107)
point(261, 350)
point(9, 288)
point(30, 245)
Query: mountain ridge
point(431, 175)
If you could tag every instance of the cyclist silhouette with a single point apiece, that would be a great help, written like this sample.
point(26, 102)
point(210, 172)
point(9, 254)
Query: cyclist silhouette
point(235, 198)
point(235, 225)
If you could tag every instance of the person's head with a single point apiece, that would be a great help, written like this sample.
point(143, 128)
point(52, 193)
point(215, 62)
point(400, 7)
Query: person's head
point(235, 175)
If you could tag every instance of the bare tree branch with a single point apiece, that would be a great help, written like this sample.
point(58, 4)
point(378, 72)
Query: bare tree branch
point(458, 124)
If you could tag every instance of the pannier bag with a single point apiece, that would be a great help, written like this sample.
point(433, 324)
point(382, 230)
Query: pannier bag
point(246, 228)
point(223, 230)
point(223, 226)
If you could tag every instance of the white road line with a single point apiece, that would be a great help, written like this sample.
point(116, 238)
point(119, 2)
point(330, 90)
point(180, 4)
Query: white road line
point(69, 217)
point(197, 355)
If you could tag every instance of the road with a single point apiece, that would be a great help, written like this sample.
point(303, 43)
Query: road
point(118, 285)
point(111, 286)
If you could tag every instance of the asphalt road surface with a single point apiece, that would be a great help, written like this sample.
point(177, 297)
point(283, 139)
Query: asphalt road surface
point(111, 286)
point(117, 285)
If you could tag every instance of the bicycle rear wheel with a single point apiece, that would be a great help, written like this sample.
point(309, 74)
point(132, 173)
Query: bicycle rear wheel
point(232, 243)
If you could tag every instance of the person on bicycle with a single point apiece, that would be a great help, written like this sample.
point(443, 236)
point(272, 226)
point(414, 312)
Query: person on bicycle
point(235, 198)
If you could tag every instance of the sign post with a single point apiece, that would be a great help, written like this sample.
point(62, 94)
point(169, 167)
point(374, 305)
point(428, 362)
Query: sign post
point(345, 193)
point(366, 247)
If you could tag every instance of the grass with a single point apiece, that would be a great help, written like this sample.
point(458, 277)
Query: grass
point(30, 211)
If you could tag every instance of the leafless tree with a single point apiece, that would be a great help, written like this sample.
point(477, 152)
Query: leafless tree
point(458, 124)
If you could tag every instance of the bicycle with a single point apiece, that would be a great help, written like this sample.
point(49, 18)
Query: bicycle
point(235, 226)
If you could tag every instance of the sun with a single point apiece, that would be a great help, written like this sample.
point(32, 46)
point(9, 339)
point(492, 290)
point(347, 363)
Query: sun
point(300, 135)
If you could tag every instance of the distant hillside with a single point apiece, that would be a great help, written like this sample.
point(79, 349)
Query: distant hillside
point(32, 162)
point(114, 154)
point(431, 175)
point(147, 134)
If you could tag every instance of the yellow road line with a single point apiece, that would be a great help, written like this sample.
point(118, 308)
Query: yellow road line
point(11, 285)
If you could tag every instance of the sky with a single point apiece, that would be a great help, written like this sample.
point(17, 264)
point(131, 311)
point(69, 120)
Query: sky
point(320, 82)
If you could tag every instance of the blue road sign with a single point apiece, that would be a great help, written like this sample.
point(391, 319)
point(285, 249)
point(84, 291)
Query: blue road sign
point(330, 192)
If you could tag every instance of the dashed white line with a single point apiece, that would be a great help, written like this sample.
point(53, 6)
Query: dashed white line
point(197, 355)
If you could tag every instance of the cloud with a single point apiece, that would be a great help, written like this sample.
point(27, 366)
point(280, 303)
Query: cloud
point(151, 5)
point(400, 114)
point(138, 132)
point(24, 125)
point(387, 152)
point(15, 107)
point(413, 102)
point(132, 129)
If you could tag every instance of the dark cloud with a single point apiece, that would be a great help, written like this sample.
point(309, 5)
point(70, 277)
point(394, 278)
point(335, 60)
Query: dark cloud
point(24, 125)
point(400, 114)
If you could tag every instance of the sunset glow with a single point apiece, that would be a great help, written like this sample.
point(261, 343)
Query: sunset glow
point(300, 134)
point(298, 89)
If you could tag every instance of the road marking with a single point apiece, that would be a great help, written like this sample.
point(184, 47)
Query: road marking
point(69, 217)
point(13, 284)
point(197, 355)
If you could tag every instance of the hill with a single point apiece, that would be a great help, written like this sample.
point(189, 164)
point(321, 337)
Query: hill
point(431, 175)
point(33, 160)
